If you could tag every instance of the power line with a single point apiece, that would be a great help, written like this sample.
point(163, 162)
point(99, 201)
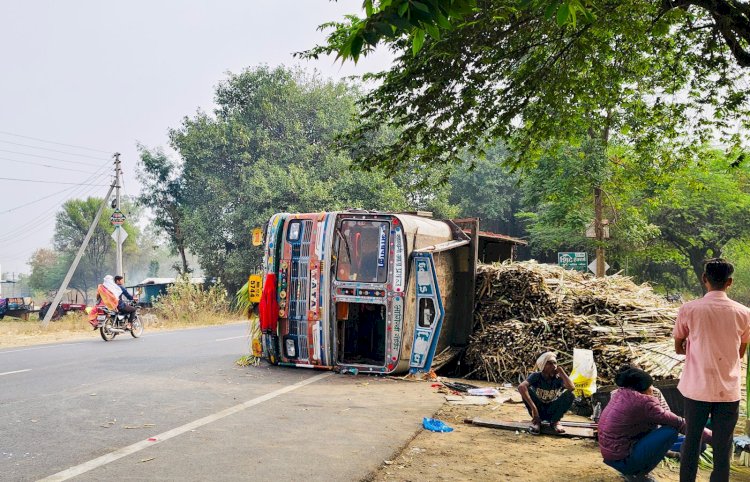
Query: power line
point(31, 227)
point(36, 200)
point(47, 157)
point(50, 182)
point(53, 142)
point(52, 150)
point(96, 176)
point(28, 228)
point(45, 165)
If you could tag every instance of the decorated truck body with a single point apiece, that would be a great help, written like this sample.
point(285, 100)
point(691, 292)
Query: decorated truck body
point(373, 291)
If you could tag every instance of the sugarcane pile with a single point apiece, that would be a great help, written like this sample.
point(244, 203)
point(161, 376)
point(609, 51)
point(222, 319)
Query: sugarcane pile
point(524, 309)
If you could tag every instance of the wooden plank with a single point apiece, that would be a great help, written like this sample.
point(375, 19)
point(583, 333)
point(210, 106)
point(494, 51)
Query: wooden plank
point(524, 427)
point(566, 423)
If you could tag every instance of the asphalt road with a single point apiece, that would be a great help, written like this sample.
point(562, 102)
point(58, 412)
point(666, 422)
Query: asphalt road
point(174, 406)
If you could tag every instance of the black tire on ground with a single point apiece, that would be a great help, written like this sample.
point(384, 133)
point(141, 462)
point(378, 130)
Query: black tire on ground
point(59, 313)
point(104, 330)
point(137, 327)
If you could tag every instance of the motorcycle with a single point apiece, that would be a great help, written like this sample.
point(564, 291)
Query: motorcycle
point(111, 322)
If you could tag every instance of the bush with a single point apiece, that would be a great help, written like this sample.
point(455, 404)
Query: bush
point(187, 302)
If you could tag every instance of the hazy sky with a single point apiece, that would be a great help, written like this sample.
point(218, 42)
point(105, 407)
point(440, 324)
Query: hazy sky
point(104, 75)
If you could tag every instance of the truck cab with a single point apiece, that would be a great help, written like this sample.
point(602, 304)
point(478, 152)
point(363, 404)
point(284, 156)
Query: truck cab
point(362, 289)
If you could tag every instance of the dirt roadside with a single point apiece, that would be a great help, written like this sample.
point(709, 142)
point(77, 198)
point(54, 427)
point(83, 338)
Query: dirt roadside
point(472, 453)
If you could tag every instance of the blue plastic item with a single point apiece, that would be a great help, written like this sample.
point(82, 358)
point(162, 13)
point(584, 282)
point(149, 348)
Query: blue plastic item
point(435, 425)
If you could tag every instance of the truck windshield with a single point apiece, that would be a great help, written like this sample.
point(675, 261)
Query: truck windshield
point(363, 251)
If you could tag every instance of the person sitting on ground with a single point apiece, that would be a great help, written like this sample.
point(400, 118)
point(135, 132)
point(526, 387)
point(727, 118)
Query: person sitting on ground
point(635, 432)
point(674, 451)
point(122, 306)
point(547, 393)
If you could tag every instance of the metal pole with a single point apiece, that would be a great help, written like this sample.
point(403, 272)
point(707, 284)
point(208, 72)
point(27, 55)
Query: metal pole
point(77, 259)
point(118, 266)
point(599, 230)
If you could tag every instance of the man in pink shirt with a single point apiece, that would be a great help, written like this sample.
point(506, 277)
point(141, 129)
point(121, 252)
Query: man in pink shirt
point(713, 333)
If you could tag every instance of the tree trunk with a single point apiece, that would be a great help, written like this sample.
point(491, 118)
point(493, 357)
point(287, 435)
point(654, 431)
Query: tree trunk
point(697, 257)
point(183, 257)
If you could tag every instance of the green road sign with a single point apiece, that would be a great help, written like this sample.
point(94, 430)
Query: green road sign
point(573, 260)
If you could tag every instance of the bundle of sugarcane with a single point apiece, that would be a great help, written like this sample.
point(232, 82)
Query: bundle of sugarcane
point(523, 309)
point(511, 293)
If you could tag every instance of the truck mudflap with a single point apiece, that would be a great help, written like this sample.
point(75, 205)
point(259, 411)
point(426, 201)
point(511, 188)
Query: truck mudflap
point(430, 313)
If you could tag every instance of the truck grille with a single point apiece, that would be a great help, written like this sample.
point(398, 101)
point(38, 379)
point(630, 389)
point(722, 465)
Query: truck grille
point(299, 288)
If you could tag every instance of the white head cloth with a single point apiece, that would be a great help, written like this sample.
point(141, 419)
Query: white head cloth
point(544, 358)
point(112, 287)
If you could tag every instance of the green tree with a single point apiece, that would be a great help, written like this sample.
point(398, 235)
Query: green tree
point(558, 204)
point(485, 188)
point(267, 148)
point(72, 224)
point(47, 270)
point(163, 192)
point(738, 252)
point(726, 23)
point(705, 208)
point(631, 77)
point(641, 73)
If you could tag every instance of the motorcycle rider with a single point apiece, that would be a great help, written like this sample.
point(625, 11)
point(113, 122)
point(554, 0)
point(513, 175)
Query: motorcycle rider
point(122, 306)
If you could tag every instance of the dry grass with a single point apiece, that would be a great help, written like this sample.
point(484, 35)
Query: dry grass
point(15, 332)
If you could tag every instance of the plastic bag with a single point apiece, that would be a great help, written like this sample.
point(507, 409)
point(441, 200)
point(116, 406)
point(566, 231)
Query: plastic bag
point(487, 392)
point(583, 375)
point(435, 425)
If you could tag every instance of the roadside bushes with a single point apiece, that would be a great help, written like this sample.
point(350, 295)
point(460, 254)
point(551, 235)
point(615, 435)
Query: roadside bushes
point(190, 303)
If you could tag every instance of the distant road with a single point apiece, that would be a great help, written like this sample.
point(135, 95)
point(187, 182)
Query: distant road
point(174, 406)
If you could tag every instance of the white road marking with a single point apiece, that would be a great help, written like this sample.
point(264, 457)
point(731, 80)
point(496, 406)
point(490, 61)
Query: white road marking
point(39, 348)
point(231, 338)
point(17, 371)
point(162, 437)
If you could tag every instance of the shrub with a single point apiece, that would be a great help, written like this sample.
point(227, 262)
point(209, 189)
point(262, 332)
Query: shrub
point(187, 302)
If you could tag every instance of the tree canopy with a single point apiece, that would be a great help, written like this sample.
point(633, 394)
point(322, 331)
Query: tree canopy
point(163, 192)
point(636, 72)
point(267, 148)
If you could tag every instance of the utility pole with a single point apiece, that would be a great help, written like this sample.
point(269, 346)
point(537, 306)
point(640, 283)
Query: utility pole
point(118, 266)
point(72, 269)
point(599, 232)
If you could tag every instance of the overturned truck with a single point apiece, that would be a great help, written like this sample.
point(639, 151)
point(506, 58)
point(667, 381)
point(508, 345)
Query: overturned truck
point(380, 292)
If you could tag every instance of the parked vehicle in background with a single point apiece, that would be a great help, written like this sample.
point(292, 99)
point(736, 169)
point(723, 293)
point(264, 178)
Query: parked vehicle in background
point(19, 307)
point(62, 309)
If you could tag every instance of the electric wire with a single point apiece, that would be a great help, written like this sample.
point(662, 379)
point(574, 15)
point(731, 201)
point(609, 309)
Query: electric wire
point(36, 200)
point(94, 176)
point(53, 142)
point(98, 158)
point(48, 157)
point(46, 165)
point(49, 182)
point(35, 224)
point(31, 227)
point(78, 189)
